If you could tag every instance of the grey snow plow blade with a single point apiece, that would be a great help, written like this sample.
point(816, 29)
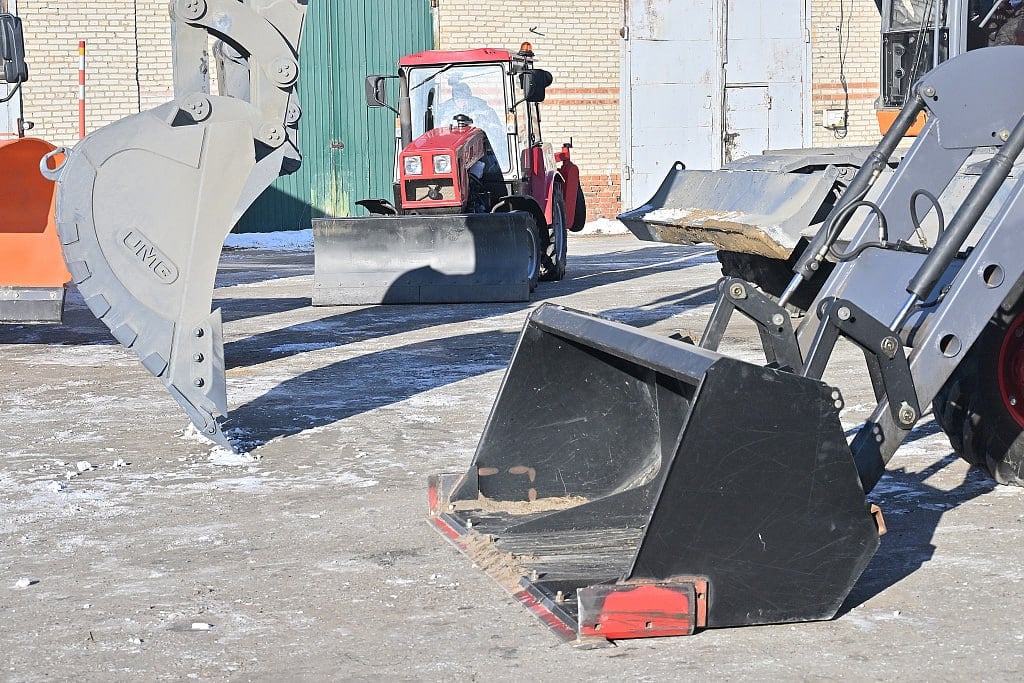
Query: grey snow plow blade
point(144, 204)
point(423, 259)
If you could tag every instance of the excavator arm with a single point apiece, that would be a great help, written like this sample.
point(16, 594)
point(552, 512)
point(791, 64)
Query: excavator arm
point(144, 204)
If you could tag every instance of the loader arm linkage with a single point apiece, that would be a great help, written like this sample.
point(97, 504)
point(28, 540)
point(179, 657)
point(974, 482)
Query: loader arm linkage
point(144, 204)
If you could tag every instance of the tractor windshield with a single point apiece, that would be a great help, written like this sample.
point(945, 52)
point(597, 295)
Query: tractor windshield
point(439, 93)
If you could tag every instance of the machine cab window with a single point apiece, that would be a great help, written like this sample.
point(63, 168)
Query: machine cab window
point(478, 91)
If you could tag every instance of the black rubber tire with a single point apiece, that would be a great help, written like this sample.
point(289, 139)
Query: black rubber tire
point(970, 409)
point(772, 275)
point(579, 219)
point(554, 241)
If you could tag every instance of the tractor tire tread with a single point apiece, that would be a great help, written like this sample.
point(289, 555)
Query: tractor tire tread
point(553, 250)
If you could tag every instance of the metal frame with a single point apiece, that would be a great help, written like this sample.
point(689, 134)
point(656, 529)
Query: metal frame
point(951, 294)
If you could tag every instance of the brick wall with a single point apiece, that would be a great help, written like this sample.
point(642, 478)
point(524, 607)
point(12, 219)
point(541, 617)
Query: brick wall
point(580, 45)
point(128, 53)
point(856, 29)
point(129, 67)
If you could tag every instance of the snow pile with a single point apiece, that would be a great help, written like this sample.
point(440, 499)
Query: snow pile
point(283, 240)
point(224, 457)
point(603, 226)
point(302, 240)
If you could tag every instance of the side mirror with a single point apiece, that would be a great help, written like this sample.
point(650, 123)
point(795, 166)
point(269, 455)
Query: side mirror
point(376, 93)
point(12, 50)
point(534, 83)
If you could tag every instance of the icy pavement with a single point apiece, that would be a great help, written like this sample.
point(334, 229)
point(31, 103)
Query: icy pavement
point(309, 558)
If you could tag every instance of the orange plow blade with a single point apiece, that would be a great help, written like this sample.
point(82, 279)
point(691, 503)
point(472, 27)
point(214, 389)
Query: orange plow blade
point(32, 271)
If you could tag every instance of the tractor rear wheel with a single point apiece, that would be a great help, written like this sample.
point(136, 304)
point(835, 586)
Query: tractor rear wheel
point(981, 406)
point(554, 242)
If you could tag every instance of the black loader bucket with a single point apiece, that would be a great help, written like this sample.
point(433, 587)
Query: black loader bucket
point(628, 485)
point(490, 257)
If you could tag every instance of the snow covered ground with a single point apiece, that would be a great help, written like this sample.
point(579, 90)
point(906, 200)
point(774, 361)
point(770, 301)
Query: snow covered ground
point(298, 240)
point(131, 549)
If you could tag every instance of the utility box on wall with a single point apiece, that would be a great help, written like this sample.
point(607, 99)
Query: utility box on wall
point(708, 82)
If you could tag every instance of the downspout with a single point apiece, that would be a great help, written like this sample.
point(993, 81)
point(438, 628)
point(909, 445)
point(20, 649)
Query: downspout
point(721, 42)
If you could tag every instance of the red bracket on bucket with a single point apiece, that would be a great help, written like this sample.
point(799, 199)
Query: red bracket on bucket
point(643, 610)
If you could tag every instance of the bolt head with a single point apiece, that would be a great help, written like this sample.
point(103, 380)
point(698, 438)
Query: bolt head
point(272, 135)
point(738, 291)
point(284, 71)
point(929, 91)
point(907, 415)
point(192, 9)
point(889, 346)
point(844, 313)
point(778, 319)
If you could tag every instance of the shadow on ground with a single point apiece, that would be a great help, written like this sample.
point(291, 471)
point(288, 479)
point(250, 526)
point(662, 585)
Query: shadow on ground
point(345, 325)
point(338, 391)
point(912, 510)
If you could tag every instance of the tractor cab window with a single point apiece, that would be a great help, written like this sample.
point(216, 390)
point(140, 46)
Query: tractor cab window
point(909, 48)
point(440, 93)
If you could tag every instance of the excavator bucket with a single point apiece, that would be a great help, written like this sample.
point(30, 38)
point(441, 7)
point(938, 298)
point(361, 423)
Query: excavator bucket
point(144, 204)
point(629, 485)
point(490, 257)
point(32, 272)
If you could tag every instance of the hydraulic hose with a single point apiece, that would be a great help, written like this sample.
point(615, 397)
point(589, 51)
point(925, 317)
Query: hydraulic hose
point(808, 263)
point(960, 226)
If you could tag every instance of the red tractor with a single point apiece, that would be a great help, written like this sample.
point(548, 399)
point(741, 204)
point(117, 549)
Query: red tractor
point(481, 204)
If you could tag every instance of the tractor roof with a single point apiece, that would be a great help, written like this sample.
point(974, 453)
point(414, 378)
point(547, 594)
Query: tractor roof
point(485, 54)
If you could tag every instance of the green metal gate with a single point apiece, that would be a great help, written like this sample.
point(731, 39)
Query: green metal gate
point(348, 150)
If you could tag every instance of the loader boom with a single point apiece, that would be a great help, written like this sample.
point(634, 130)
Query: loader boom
point(144, 204)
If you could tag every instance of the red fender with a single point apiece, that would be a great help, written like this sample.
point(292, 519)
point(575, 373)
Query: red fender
point(570, 173)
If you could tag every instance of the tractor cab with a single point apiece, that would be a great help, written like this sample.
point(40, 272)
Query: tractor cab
point(489, 89)
point(918, 35)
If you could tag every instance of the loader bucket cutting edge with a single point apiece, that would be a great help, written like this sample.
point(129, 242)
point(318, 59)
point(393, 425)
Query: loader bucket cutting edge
point(635, 486)
point(32, 271)
point(423, 259)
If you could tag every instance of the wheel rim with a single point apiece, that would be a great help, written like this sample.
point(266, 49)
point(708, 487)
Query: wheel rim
point(1011, 370)
point(534, 263)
